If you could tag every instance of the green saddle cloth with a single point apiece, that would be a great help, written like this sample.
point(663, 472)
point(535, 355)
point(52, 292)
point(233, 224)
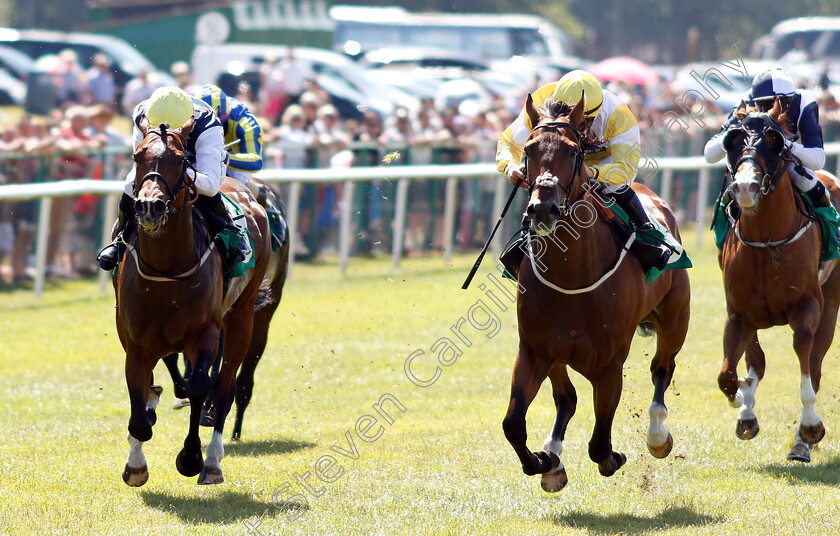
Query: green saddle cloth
point(230, 238)
point(826, 216)
point(656, 236)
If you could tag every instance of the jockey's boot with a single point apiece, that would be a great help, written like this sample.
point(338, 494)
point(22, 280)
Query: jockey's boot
point(651, 256)
point(111, 254)
point(818, 195)
point(217, 218)
point(276, 222)
point(514, 251)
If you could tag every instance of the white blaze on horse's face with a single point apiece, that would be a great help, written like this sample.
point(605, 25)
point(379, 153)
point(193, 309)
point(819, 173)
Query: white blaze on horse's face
point(746, 187)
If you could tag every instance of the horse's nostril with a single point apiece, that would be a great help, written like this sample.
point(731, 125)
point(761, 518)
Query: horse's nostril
point(555, 211)
point(530, 211)
point(159, 207)
point(753, 187)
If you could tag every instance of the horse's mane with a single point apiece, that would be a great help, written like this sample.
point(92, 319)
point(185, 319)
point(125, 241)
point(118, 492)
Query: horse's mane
point(554, 110)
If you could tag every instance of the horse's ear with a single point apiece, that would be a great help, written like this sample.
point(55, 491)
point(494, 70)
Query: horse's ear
point(144, 125)
point(533, 115)
point(576, 117)
point(187, 127)
point(741, 112)
point(776, 110)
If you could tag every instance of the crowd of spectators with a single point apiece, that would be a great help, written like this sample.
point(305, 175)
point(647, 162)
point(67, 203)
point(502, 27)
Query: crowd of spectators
point(302, 128)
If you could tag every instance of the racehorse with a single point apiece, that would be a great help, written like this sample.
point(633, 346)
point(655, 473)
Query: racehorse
point(579, 305)
point(276, 278)
point(170, 298)
point(772, 273)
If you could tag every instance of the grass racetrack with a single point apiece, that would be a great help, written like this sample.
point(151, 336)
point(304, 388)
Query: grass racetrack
point(337, 347)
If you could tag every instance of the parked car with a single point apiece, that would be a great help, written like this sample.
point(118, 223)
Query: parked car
point(16, 63)
point(336, 73)
point(811, 38)
point(127, 62)
point(12, 90)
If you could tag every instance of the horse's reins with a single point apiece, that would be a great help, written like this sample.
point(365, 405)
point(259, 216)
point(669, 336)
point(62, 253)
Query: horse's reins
point(766, 186)
point(549, 180)
point(183, 181)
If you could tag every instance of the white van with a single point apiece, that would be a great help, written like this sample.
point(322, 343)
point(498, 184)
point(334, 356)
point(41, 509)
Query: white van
point(490, 36)
point(818, 38)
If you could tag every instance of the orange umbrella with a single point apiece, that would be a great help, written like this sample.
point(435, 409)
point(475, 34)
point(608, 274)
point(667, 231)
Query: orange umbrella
point(624, 68)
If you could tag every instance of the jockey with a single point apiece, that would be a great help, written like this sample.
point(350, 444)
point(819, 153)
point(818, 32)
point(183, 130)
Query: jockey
point(243, 138)
point(806, 141)
point(611, 167)
point(205, 148)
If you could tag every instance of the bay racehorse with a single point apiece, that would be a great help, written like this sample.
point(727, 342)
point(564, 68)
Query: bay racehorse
point(772, 273)
point(579, 304)
point(275, 277)
point(170, 298)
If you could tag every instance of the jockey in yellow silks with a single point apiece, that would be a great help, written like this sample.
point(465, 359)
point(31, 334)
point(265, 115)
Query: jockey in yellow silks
point(613, 167)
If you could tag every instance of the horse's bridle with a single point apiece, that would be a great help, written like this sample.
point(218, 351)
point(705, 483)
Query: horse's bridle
point(547, 178)
point(770, 177)
point(184, 179)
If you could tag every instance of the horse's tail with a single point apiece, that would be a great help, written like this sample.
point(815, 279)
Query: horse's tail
point(265, 297)
point(646, 329)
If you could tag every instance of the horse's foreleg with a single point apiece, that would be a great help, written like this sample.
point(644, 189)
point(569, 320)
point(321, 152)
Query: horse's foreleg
point(244, 390)
point(189, 461)
point(735, 336)
point(804, 322)
point(565, 400)
point(528, 374)
point(671, 324)
point(179, 384)
point(747, 425)
point(237, 336)
point(606, 393)
point(138, 377)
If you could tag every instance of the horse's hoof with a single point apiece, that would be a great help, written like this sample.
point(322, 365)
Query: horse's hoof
point(135, 476)
point(812, 434)
point(156, 390)
point(179, 403)
point(613, 464)
point(800, 452)
point(663, 450)
point(746, 429)
point(211, 475)
point(189, 464)
point(151, 416)
point(236, 436)
point(555, 480)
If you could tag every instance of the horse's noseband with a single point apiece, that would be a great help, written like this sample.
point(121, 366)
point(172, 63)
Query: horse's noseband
point(753, 148)
point(548, 179)
point(183, 181)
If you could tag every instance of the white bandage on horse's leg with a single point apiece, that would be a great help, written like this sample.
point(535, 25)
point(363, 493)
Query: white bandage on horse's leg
point(657, 433)
point(809, 398)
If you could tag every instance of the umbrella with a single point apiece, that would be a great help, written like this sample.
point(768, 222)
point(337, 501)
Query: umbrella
point(624, 68)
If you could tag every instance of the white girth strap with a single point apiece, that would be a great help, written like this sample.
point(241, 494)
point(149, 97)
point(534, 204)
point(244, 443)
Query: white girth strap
point(591, 287)
point(178, 277)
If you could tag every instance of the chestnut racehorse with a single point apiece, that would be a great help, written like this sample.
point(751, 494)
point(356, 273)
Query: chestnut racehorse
point(580, 304)
point(170, 299)
point(275, 277)
point(772, 274)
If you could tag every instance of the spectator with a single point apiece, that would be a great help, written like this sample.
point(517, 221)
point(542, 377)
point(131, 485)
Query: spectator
point(295, 139)
point(100, 86)
point(271, 97)
point(183, 76)
point(292, 75)
point(69, 78)
point(137, 90)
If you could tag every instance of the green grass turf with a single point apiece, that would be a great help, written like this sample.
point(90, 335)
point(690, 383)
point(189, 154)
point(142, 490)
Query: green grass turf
point(337, 345)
